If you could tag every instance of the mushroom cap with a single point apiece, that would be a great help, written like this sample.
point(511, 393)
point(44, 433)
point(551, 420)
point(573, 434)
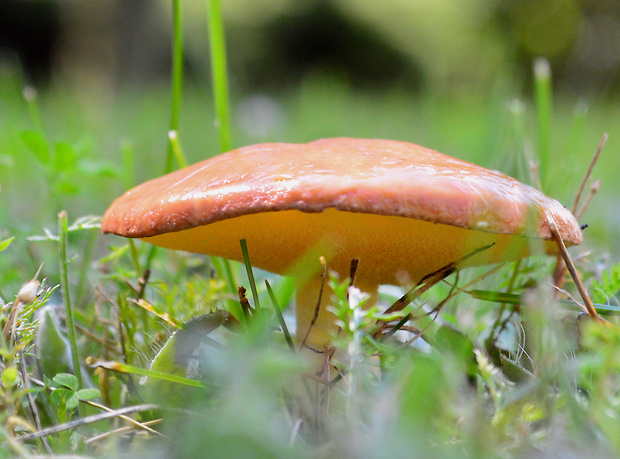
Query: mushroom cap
point(399, 207)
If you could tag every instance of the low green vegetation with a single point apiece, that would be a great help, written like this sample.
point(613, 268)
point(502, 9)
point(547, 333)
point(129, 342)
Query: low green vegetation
point(111, 347)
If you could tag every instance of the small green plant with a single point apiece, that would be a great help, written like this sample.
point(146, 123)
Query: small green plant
point(66, 394)
point(609, 286)
point(65, 164)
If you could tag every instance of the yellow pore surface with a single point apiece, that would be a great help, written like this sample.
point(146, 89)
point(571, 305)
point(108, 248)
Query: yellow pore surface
point(391, 250)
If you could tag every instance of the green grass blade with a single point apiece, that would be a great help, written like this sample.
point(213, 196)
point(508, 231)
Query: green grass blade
point(248, 268)
point(176, 148)
point(218, 73)
point(124, 368)
point(276, 308)
point(219, 77)
point(177, 78)
point(64, 285)
point(543, 95)
point(512, 298)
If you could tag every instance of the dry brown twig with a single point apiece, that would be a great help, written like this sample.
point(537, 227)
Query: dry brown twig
point(571, 268)
point(318, 304)
point(136, 424)
point(595, 158)
point(86, 421)
point(422, 286)
point(560, 267)
point(121, 430)
point(594, 188)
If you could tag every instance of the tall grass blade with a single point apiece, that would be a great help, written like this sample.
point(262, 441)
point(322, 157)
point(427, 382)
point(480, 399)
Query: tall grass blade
point(278, 311)
point(248, 268)
point(177, 151)
point(64, 285)
point(177, 78)
point(218, 72)
point(543, 95)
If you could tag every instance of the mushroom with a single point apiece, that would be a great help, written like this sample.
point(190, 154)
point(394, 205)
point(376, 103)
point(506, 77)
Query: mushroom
point(402, 210)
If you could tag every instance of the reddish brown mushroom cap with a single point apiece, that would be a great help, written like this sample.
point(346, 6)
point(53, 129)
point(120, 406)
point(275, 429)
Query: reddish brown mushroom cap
point(381, 177)
point(403, 210)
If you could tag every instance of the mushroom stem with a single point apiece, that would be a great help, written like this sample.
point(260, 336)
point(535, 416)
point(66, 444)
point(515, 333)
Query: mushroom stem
point(322, 328)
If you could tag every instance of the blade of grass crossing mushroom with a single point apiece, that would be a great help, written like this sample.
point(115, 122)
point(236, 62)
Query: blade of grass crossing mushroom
point(499, 322)
point(455, 290)
point(278, 311)
point(220, 95)
point(317, 308)
point(218, 71)
point(219, 75)
point(248, 269)
point(437, 310)
point(571, 268)
point(560, 268)
point(424, 285)
point(175, 144)
point(353, 271)
point(421, 287)
point(398, 326)
point(177, 79)
point(429, 280)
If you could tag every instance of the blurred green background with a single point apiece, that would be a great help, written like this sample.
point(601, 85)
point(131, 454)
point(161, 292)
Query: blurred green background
point(85, 108)
point(453, 75)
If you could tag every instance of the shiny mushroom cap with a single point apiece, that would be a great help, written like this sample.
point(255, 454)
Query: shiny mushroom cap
point(401, 209)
